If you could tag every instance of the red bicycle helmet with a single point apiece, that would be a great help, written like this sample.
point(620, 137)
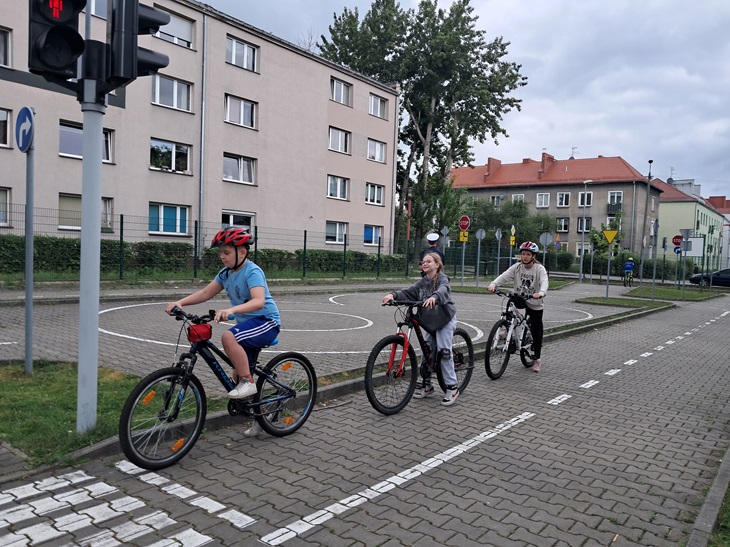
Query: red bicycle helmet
point(530, 246)
point(232, 236)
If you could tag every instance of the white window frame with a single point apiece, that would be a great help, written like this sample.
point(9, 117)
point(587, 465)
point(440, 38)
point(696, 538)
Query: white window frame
point(4, 206)
point(4, 47)
point(517, 198)
point(74, 137)
point(340, 91)
point(6, 117)
point(376, 151)
point(178, 87)
point(335, 232)
point(587, 196)
point(374, 193)
point(69, 212)
point(378, 107)
point(589, 223)
point(179, 31)
point(248, 52)
point(563, 224)
point(176, 148)
point(543, 200)
point(245, 169)
point(241, 219)
point(615, 197)
point(179, 220)
point(339, 140)
point(563, 199)
point(238, 110)
point(337, 187)
point(377, 233)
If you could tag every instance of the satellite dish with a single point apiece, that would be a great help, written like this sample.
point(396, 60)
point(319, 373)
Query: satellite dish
point(670, 180)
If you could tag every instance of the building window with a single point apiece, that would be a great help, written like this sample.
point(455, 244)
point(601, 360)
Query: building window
point(563, 224)
point(585, 199)
point(70, 142)
point(518, 198)
point(178, 31)
point(378, 107)
point(69, 212)
point(169, 156)
point(339, 140)
point(336, 187)
point(241, 54)
point(336, 232)
point(238, 168)
point(374, 193)
point(543, 200)
point(587, 225)
point(4, 47)
point(376, 151)
point(563, 199)
point(235, 218)
point(240, 111)
point(372, 234)
point(615, 197)
point(168, 219)
point(170, 92)
point(4, 206)
point(341, 92)
point(4, 127)
point(107, 214)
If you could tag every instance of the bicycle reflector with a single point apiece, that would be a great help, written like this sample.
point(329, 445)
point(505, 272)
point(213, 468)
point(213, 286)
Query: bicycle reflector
point(200, 333)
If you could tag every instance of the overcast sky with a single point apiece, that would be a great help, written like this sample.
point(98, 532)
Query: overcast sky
point(640, 79)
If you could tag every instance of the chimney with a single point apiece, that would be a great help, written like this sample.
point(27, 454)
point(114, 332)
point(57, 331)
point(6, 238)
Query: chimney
point(546, 158)
point(492, 165)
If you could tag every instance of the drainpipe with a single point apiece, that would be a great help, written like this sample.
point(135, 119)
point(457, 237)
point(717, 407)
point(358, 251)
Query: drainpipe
point(201, 183)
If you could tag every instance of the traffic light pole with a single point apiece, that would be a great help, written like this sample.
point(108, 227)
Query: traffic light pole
point(93, 139)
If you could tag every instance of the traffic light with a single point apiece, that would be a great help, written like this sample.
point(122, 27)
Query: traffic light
point(54, 42)
point(126, 20)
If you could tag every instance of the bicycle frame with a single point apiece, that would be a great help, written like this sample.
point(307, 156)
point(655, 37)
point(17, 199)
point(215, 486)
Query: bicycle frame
point(413, 325)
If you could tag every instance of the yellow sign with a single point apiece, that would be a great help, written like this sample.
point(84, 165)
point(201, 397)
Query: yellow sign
point(610, 234)
point(464, 236)
point(512, 240)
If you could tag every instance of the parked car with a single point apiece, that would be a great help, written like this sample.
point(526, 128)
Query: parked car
point(718, 279)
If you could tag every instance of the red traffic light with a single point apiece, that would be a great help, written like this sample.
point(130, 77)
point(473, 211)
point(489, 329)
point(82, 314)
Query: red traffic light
point(59, 12)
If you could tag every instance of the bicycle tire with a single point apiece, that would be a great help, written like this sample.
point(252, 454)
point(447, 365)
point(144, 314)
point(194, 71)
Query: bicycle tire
point(148, 435)
point(497, 352)
point(626, 279)
point(283, 417)
point(389, 392)
point(526, 355)
point(462, 349)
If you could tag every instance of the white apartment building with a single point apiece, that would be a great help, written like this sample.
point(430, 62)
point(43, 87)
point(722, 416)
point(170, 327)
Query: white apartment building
point(241, 128)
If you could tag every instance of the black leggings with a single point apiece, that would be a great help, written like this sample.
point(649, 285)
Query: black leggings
point(537, 330)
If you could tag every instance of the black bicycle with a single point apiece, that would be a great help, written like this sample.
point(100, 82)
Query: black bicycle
point(165, 413)
point(511, 333)
point(392, 370)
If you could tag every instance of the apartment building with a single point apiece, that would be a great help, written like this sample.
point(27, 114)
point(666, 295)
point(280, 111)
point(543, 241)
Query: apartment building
point(579, 193)
point(241, 128)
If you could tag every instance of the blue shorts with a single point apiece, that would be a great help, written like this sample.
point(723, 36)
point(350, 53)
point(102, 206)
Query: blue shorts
point(255, 333)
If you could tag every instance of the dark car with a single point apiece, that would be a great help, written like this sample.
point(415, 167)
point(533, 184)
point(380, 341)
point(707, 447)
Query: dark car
point(717, 279)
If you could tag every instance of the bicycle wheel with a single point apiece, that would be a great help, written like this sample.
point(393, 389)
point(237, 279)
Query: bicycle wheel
point(162, 419)
point(463, 351)
point(526, 355)
point(626, 279)
point(388, 385)
point(497, 352)
point(631, 281)
point(279, 414)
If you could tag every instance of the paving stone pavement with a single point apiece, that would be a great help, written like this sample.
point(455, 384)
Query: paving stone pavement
point(618, 441)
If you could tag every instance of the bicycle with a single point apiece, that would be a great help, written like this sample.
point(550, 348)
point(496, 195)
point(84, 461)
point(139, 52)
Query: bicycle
point(502, 341)
point(391, 373)
point(164, 414)
point(628, 278)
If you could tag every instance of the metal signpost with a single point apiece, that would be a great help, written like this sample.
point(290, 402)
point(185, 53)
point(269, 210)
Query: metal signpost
point(609, 235)
point(480, 235)
point(498, 235)
point(464, 223)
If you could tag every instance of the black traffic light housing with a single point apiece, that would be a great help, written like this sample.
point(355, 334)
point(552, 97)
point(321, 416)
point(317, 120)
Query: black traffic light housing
point(126, 20)
point(54, 42)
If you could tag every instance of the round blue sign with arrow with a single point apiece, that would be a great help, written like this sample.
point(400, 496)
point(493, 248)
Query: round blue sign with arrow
point(24, 129)
point(678, 250)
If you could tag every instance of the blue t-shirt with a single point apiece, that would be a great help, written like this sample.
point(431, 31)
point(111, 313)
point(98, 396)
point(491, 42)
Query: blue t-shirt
point(238, 287)
point(629, 267)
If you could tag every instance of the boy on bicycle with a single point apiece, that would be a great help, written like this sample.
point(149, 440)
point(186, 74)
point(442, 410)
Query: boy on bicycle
point(629, 267)
point(530, 278)
point(434, 290)
point(257, 317)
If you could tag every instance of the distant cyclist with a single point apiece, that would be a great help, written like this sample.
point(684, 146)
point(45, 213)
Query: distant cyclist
point(629, 267)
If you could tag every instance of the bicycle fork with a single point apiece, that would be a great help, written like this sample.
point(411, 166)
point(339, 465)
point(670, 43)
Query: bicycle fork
point(396, 370)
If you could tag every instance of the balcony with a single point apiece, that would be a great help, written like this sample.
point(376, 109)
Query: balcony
point(613, 208)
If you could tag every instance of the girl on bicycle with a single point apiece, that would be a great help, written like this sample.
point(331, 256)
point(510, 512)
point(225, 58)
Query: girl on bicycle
point(434, 290)
point(257, 317)
point(530, 278)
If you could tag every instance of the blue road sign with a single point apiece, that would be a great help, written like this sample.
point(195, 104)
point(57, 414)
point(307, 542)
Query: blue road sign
point(24, 129)
point(678, 250)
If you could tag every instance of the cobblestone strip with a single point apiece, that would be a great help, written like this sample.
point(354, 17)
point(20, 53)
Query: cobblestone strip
point(307, 523)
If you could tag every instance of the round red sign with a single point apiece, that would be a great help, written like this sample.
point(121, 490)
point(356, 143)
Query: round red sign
point(677, 240)
point(464, 223)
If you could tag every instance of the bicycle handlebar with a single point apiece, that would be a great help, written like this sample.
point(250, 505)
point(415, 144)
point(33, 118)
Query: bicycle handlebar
point(508, 294)
point(404, 303)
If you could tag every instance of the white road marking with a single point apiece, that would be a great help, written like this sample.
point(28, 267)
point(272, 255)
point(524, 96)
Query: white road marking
point(590, 384)
point(559, 399)
point(612, 372)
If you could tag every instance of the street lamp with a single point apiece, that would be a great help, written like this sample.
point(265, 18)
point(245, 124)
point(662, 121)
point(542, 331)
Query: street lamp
point(583, 231)
point(643, 230)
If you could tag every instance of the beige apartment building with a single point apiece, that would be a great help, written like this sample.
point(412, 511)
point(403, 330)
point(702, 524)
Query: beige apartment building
point(241, 128)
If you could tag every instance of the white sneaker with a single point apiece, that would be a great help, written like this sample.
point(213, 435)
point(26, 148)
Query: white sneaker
point(243, 389)
point(450, 396)
point(253, 431)
point(537, 366)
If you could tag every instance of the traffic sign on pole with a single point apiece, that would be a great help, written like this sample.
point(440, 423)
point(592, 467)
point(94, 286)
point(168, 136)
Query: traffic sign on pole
point(464, 223)
point(677, 240)
point(24, 129)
